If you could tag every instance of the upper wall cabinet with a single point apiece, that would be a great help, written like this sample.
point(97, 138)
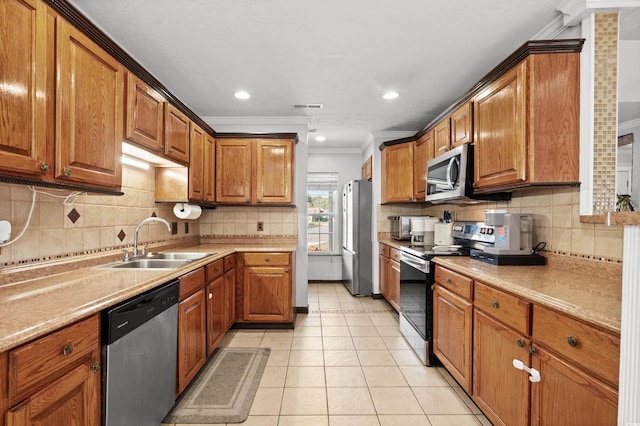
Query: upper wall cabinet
point(145, 115)
point(462, 125)
point(397, 173)
point(442, 136)
point(254, 171)
point(27, 110)
point(423, 152)
point(89, 110)
point(202, 166)
point(527, 124)
point(177, 132)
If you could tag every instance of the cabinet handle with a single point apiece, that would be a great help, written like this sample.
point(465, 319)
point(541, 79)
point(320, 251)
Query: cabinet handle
point(520, 343)
point(573, 342)
point(286, 269)
point(95, 367)
point(66, 171)
point(44, 167)
point(68, 348)
point(210, 295)
point(532, 350)
point(266, 259)
point(494, 304)
point(448, 280)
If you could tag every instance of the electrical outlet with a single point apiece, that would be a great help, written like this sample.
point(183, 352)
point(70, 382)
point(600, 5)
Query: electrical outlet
point(260, 226)
point(186, 227)
point(174, 228)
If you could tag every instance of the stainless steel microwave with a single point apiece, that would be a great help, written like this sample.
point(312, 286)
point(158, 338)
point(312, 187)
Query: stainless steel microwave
point(450, 179)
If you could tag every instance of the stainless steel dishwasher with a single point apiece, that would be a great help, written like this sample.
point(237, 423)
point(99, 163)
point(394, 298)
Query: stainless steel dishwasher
point(139, 353)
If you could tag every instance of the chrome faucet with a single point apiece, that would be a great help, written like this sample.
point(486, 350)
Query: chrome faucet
point(147, 220)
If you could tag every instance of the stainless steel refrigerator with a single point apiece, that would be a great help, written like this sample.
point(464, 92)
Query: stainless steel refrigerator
point(356, 237)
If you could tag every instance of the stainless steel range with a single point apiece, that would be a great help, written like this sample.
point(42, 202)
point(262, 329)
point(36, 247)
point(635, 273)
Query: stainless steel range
point(417, 279)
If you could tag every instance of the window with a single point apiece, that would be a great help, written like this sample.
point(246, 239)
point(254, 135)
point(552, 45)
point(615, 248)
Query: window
point(322, 208)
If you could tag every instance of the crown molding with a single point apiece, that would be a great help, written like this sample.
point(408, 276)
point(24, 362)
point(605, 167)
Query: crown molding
point(266, 120)
point(334, 151)
point(576, 10)
point(628, 125)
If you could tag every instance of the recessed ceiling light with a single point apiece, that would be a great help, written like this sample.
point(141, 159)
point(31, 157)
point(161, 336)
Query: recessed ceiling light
point(242, 95)
point(320, 138)
point(391, 95)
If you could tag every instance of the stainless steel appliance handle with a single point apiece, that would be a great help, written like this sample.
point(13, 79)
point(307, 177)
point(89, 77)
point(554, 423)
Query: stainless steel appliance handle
point(451, 161)
point(414, 262)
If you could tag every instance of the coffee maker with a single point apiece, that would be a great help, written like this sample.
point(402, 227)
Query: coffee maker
point(513, 239)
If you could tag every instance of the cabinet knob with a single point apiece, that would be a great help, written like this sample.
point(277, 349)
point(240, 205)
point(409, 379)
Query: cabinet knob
point(66, 171)
point(266, 259)
point(68, 349)
point(95, 367)
point(494, 304)
point(573, 342)
point(44, 167)
point(448, 280)
point(210, 295)
point(532, 350)
point(520, 343)
point(286, 270)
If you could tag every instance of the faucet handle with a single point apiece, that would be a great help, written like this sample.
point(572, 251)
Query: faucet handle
point(126, 255)
point(143, 251)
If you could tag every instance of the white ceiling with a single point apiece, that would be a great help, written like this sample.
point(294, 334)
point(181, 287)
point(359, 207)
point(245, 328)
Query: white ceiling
point(343, 54)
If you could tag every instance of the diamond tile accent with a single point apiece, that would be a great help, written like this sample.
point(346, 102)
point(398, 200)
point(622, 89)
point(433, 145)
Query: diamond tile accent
point(154, 214)
point(73, 215)
point(121, 235)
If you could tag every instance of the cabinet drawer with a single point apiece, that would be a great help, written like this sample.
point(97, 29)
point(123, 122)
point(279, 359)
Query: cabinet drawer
point(214, 270)
point(229, 262)
point(266, 259)
point(191, 282)
point(507, 309)
point(37, 363)
point(384, 249)
point(588, 347)
point(457, 283)
point(394, 254)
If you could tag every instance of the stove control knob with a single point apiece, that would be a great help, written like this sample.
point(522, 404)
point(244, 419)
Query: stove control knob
point(490, 231)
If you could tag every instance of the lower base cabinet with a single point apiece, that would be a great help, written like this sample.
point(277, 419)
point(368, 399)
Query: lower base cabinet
point(389, 274)
point(55, 380)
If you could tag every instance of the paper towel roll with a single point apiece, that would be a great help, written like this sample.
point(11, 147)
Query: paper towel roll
point(187, 211)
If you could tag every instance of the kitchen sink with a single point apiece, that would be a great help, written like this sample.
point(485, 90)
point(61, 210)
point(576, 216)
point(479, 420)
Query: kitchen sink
point(166, 260)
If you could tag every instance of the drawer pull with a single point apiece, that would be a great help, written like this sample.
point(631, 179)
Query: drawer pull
point(210, 296)
point(448, 280)
point(68, 348)
point(520, 343)
point(494, 304)
point(532, 350)
point(573, 342)
point(266, 259)
point(95, 367)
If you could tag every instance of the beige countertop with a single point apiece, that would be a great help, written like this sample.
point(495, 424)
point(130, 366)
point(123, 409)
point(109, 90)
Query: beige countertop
point(579, 292)
point(32, 307)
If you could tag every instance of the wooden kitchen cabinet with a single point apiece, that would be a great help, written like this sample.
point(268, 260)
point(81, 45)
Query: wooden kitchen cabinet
point(230, 289)
point(453, 324)
point(177, 133)
point(145, 115)
point(201, 166)
point(216, 302)
point(89, 111)
point(55, 380)
point(526, 124)
point(192, 328)
point(383, 269)
point(501, 326)
point(367, 169)
point(254, 171)
point(462, 125)
point(442, 136)
point(397, 173)
point(423, 152)
point(27, 122)
point(389, 274)
point(265, 292)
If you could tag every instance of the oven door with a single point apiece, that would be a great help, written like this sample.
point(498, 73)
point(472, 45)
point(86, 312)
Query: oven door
point(416, 299)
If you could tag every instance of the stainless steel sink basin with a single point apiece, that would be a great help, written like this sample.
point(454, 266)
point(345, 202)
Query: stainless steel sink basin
point(158, 261)
point(178, 255)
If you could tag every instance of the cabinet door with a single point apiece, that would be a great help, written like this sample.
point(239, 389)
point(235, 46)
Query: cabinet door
point(25, 113)
point(89, 110)
point(383, 275)
point(209, 169)
point(274, 171)
point(442, 137)
point(452, 327)
point(397, 173)
point(145, 114)
point(216, 312)
point(177, 133)
point(495, 346)
point(230, 297)
point(233, 171)
point(500, 131)
point(423, 152)
point(394, 284)
point(462, 125)
point(585, 401)
point(73, 399)
point(267, 294)
point(196, 165)
point(192, 342)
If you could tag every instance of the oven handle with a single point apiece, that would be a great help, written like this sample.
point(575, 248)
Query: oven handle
point(414, 262)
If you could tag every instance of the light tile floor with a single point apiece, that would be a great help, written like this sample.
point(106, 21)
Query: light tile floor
point(346, 363)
